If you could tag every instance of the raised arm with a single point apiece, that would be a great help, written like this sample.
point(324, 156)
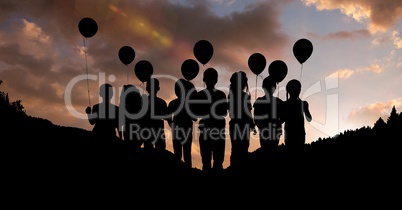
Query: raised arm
point(91, 115)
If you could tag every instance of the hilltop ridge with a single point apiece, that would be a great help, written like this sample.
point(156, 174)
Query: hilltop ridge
point(41, 145)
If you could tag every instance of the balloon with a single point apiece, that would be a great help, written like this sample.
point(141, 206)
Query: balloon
point(189, 69)
point(203, 51)
point(302, 50)
point(143, 70)
point(87, 27)
point(278, 70)
point(126, 55)
point(257, 63)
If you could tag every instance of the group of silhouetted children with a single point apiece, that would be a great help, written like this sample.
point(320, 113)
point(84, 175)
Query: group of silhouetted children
point(139, 119)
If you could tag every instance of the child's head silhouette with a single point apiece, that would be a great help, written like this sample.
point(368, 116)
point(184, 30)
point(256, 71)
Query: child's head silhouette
point(152, 86)
point(128, 89)
point(293, 88)
point(269, 85)
point(106, 91)
point(210, 77)
point(238, 81)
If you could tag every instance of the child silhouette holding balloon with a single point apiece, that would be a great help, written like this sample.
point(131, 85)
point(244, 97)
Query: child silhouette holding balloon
point(268, 115)
point(130, 115)
point(181, 121)
point(296, 112)
point(104, 117)
point(241, 121)
point(211, 108)
point(154, 133)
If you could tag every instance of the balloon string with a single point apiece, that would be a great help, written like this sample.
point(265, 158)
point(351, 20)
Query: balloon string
point(127, 76)
point(203, 71)
point(301, 71)
point(86, 67)
point(255, 94)
point(277, 84)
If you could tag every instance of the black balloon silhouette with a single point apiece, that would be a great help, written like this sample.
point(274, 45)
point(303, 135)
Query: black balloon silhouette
point(143, 70)
point(257, 63)
point(203, 51)
point(278, 70)
point(87, 27)
point(302, 50)
point(126, 55)
point(190, 69)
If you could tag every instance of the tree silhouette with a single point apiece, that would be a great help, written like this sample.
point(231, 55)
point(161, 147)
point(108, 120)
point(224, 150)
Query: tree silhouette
point(393, 117)
point(17, 106)
point(400, 118)
point(10, 108)
point(379, 124)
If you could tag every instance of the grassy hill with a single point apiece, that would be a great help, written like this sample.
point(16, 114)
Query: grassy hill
point(37, 145)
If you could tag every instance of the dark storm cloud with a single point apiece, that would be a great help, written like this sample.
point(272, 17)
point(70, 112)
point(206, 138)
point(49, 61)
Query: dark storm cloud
point(38, 70)
point(256, 28)
point(11, 54)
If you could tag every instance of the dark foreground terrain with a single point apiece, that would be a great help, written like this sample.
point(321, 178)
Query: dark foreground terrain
point(37, 146)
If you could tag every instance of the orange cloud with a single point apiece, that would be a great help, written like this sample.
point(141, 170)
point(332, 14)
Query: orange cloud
point(374, 68)
point(369, 113)
point(397, 39)
point(347, 73)
point(32, 30)
point(380, 14)
point(33, 40)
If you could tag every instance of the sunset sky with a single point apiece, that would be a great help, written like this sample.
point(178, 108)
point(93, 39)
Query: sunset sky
point(353, 77)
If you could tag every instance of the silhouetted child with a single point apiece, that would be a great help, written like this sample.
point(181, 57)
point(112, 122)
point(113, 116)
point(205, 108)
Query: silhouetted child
point(104, 116)
point(211, 107)
point(153, 132)
point(130, 116)
point(268, 115)
point(241, 121)
point(296, 111)
point(181, 121)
